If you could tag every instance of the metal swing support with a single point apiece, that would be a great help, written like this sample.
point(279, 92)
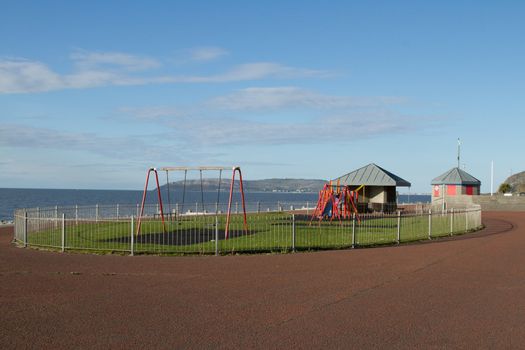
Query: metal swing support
point(241, 188)
point(139, 222)
point(234, 169)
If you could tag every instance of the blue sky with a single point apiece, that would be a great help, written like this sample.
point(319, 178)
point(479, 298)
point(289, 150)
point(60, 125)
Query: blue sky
point(93, 93)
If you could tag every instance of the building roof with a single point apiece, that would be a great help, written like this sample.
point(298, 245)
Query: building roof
point(456, 176)
point(371, 175)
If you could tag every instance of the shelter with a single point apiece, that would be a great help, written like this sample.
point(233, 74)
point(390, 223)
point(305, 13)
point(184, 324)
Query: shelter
point(454, 183)
point(376, 187)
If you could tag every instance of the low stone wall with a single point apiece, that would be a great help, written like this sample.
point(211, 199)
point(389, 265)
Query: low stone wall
point(500, 202)
point(496, 202)
point(456, 202)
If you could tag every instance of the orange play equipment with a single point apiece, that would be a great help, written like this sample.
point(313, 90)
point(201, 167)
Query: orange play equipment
point(336, 202)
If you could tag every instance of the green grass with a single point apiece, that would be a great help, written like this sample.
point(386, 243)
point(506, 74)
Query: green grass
point(266, 232)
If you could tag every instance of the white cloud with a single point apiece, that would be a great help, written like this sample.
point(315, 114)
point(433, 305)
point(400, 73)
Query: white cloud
point(259, 70)
point(23, 136)
point(106, 69)
point(17, 75)
point(204, 54)
point(257, 98)
point(329, 129)
point(236, 118)
point(93, 60)
point(152, 113)
point(138, 148)
point(247, 72)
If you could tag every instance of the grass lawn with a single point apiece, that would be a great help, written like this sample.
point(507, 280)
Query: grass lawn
point(265, 232)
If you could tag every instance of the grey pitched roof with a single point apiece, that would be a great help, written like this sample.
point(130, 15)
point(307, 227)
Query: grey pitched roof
point(371, 175)
point(456, 176)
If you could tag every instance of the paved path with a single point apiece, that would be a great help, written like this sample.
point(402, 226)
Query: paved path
point(463, 293)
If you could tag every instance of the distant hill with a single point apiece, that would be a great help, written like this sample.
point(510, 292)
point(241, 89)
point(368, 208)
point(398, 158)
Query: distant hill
point(516, 182)
point(267, 185)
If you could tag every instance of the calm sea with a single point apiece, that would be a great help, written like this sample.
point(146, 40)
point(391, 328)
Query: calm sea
point(12, 198)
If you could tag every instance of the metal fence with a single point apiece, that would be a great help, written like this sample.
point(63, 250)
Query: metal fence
point(201, 229)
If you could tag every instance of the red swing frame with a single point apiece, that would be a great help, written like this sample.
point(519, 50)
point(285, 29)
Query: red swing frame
point(235, 169)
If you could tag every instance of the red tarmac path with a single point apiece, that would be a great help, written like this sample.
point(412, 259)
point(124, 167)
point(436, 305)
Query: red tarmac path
point(468, 292)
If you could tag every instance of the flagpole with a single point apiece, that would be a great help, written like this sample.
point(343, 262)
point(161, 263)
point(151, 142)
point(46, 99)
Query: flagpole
point(491, 178)
point(459, 151)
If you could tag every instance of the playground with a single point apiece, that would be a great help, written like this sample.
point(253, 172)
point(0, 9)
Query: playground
point(216, 228)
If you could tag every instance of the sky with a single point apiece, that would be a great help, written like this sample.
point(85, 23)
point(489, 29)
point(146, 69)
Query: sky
point(94, 93)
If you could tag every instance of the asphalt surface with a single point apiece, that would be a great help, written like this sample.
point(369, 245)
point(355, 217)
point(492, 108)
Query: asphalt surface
point(467, 292)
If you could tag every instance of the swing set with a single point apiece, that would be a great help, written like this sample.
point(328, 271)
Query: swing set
point(336, 201)
point(234, 170)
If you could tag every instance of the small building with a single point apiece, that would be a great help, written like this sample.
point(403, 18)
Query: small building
point(454, 184)
point(376, 187)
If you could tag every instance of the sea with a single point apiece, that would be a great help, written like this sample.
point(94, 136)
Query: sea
point(15, 198)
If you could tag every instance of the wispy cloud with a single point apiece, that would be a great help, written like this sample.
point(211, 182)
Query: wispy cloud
point(247, 72)
point(207, 53)
point(257, 98)
point(330, 129)
point(152, 113)
point(94, 69)
point(23, 136)
point(150, 148)
point(319, 118)
point(18, 75)
point(260, 70)
point(85, 60)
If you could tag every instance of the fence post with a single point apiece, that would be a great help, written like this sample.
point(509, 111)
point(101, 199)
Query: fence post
point(398, 226)
point(466, 220)
point(118, 211)
point(76, 214)
point(63, 232)
point(56, 216)
point(25, 228)
point(258, 207)
point(293, 232)
point(429, 223)
point(37, 218)
point(132, 235)
point(451, 221)
point(236, 207)
point(138, 214)
point(96, 213)
point(216, 235)
point(353, 230)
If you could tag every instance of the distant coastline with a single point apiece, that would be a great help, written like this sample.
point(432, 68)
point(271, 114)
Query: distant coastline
point(252, 186)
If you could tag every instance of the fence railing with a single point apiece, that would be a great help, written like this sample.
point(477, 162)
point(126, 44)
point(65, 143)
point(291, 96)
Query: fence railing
point(203, 231)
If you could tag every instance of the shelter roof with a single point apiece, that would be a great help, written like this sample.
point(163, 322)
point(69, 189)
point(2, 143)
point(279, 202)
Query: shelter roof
point(372, 175)
point(456, 176)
